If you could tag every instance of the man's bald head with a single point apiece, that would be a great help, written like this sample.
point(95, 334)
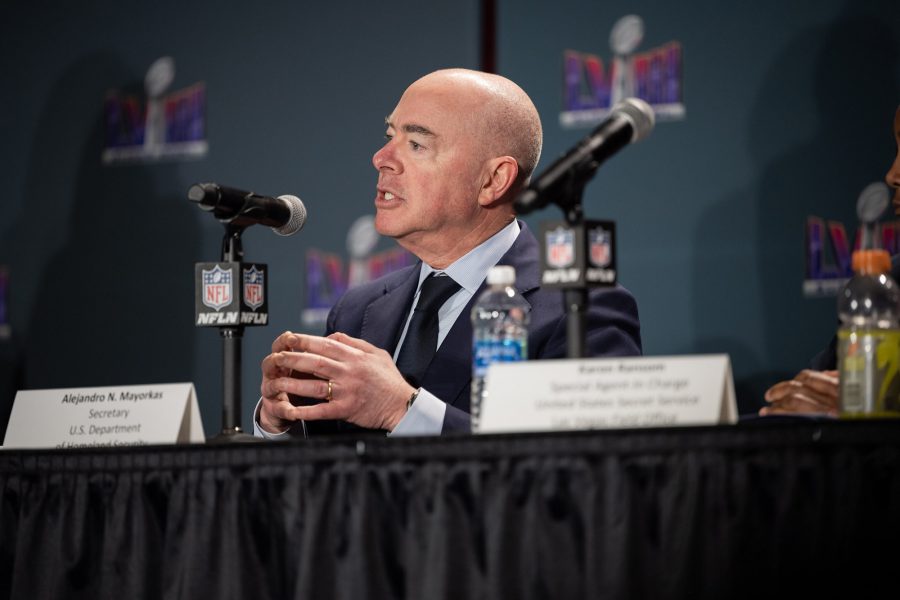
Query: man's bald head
point(497, 111)
point(460, 146)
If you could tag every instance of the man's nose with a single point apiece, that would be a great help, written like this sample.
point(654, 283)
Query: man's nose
point(386, 158)
point(892, 178)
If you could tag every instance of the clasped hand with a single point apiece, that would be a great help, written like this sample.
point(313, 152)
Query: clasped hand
point(809, 392)
point(357, 382)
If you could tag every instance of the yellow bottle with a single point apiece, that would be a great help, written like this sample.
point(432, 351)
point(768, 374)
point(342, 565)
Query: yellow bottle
point(869, 339)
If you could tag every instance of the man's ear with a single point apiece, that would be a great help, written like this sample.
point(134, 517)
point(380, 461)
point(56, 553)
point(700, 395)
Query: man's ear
point(499, 176)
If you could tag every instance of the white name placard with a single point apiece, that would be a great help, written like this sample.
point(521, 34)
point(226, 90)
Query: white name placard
point(107, 416)
point(600, 393)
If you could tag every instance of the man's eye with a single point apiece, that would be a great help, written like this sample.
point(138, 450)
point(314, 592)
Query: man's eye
point(388, 137)
point(415, 145)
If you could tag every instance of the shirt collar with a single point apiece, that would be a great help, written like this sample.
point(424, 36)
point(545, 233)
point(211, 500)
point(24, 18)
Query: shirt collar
point(470, 270)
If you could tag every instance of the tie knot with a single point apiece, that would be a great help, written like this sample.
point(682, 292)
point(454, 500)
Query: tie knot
point(435, 291)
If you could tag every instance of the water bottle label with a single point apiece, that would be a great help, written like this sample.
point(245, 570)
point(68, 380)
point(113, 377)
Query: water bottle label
point(869, 365)
point(490, 351)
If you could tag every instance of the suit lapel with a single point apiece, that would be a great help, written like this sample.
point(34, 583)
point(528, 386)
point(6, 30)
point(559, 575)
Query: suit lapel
point(524, 256)
point(385, 316)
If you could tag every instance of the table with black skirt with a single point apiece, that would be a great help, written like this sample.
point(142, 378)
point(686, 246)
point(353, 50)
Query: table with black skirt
point(781, 506)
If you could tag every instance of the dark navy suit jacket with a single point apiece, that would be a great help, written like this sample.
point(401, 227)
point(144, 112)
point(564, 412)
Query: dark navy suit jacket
point(377, 311)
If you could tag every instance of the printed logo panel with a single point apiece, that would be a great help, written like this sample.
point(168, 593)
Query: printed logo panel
point(560, 248)
point(216, 291)
point(254, 287)
point(599, 241)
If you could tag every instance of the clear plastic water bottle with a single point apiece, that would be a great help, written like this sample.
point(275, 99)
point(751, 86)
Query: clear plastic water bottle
point(869, 338)
point(500, 320)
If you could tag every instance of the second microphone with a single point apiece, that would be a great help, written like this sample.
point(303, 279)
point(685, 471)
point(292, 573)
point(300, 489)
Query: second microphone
point(285, 215)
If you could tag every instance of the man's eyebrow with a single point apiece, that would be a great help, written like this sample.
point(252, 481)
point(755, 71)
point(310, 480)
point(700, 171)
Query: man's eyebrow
point(412, 128)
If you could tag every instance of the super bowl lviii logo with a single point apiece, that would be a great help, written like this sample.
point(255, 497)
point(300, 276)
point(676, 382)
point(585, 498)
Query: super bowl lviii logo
point(829, 250)
point(591, 88)
point(160, 125)
point(328, 275)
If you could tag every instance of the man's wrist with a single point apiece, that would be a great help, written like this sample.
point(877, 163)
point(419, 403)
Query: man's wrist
point(427, 418)
point(412, 398)
point(270, 427)
point(402, 409)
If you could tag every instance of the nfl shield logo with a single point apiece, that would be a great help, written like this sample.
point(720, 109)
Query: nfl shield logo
point(216, 287)
point(599, 240)
point(253, 287)
point(560, 248)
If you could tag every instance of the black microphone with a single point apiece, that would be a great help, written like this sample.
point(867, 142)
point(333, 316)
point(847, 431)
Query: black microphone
point(284, 214)
point(630, 120)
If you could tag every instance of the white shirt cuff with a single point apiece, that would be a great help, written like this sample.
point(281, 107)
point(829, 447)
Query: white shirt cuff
point(424, 417)
point(259, 432)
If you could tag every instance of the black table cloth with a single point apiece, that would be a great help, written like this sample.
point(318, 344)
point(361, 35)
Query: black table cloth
point(754, 510)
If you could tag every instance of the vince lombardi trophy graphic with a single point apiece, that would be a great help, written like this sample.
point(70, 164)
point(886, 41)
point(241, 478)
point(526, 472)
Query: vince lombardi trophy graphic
point(361, 240)
point(158, 79)
point(625, 37)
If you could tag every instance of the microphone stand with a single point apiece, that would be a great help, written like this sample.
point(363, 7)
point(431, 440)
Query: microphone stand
point(232, 335)
point(576, 298)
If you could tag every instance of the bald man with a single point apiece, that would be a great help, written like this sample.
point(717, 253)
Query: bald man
point(460, 146)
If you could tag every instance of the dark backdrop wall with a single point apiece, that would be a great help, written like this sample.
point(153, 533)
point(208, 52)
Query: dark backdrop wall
point(788, 114)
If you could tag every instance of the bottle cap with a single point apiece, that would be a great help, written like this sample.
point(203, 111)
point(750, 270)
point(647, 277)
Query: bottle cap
point(870, 262)
point(501, 275)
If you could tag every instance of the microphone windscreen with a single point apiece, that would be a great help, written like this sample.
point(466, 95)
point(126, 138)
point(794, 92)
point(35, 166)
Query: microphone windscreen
point(298, 216)
point(640, 114)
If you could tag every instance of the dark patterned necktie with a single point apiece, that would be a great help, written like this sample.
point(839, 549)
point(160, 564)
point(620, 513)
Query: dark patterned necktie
point(420, 343)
